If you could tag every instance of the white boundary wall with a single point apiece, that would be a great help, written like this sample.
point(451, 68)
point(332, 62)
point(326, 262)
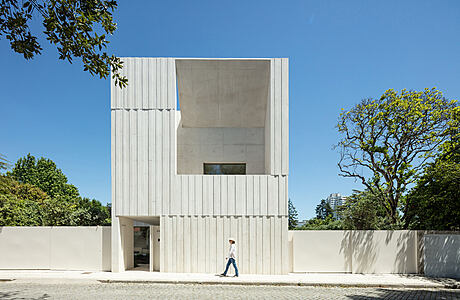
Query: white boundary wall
point(358, 251)
point(56, 248)
point(442, 255)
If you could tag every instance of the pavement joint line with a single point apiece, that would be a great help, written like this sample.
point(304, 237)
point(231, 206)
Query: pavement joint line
point(306, 284)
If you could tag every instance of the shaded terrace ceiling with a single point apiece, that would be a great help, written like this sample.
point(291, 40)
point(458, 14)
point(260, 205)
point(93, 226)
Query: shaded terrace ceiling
point(223, 93)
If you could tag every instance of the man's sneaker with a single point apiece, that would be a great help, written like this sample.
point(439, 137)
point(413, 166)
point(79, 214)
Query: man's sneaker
point(223, 275)
point(235, 276)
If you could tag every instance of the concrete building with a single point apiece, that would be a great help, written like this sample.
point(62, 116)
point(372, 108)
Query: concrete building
point(301, 223)
point(200, 152)
point(335, 200)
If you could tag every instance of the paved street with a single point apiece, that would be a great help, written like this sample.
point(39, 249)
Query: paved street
point(30, 290)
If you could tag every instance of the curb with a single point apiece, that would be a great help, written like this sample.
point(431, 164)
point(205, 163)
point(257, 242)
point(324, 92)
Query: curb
point(304, 284)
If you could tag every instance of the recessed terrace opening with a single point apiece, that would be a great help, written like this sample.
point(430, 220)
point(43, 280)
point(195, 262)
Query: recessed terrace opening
point(223, 112)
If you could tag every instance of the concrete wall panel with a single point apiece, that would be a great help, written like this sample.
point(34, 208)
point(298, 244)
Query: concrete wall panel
point(230, 195)
point(384, 251)
point(321, 251)
point(151, 84)
point(143, 169)
point(442, 255)
point(360, 251)
point(57, 248)
point(207, 237)
point(196, 146)
point(277, 123)
point(79, 248)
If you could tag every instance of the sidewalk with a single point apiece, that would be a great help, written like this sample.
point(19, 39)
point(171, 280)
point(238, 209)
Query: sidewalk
point(309, 279)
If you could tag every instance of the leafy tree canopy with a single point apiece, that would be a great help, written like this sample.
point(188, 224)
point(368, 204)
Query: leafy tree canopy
point(78, 28)
point(387, 142)
point(36, 193)
point(20, 203)
point(434, 203)
point(329, 223)
point(364, 211)
point(44, 174)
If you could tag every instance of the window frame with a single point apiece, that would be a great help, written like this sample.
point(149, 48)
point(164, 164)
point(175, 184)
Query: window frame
point(225, 164)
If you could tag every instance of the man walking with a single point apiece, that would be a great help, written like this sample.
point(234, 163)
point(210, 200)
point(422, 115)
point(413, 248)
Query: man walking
point(231, 257)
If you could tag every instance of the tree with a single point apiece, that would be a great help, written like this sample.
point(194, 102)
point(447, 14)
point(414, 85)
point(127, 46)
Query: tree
point(78, 29)
point(293, 215)
point(20, 204)
point(323, 210)
point(387, 142)
point(44, 174)
point(91, 213)
point(329, 223)
point(364, 211)
point(36, 193)
point(434, 203)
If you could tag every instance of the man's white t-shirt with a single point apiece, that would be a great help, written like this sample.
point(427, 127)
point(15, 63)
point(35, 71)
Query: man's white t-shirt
point(232, 251)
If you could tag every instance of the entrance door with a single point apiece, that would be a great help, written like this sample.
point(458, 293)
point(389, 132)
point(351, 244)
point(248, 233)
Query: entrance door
point(141, 247)
point(154, 248)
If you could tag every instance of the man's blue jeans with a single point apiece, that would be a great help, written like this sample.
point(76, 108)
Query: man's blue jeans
point(231, 261)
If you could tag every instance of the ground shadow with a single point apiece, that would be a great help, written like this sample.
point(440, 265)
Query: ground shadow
point(16, 295)
point(386, 293)
point(446, 282)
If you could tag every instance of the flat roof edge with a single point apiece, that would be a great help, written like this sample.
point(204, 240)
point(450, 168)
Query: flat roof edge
point(205, 58)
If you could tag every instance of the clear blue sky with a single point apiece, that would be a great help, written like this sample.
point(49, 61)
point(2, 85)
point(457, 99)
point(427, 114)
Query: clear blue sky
point(340, 52)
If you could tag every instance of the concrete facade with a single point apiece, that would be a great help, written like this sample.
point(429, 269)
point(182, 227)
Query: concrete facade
point(220, 145)
point(228, 111)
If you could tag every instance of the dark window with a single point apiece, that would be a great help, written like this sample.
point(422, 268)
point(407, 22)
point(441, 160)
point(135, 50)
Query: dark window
point(225, 169)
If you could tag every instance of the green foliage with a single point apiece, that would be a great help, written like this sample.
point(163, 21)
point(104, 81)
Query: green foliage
point(77, 28)
point(329, 223)
point(91, 213)
point(44, 174)
point(20, 204)
point(323, 210)
point(324, 219)
point(434, 203)
point(293, 215)
point(364, 211)
point(36, 193)
point(18, 212)
point(393, 138)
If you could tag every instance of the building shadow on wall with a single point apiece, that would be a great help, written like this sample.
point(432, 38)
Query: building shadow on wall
point(360, 249)
point(383, 293)
point(442, 256)
point(402, 263)
point(18, 295)
point(362, 255)
point(346, 250)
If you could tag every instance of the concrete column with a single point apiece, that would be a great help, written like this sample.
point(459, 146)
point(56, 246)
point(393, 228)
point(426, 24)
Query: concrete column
point(117, 249)
point(122, 244)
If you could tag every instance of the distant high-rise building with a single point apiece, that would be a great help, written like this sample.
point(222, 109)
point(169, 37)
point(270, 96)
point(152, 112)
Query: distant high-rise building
point(335, 200)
